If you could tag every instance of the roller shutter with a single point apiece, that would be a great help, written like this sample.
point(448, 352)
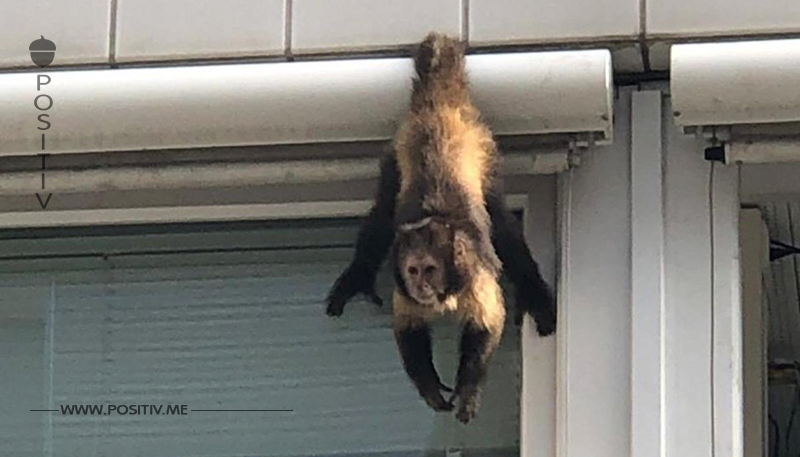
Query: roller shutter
point(218, 317)
point(743, 96)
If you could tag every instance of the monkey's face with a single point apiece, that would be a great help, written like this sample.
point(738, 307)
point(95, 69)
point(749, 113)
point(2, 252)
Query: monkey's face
point(425, 265)
point(423, 276)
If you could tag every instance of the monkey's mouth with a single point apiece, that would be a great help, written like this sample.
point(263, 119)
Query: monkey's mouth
point(429, 298)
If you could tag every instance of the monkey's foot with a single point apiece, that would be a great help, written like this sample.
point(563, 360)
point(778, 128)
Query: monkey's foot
point(545, 323)
point(539, 303)
point(335, 306)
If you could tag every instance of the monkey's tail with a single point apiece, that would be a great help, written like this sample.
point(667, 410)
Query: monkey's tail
point(439, 62)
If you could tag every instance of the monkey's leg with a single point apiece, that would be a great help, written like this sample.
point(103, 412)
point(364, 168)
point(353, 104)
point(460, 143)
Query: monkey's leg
point(413, 336)
point(374, 240)
point(533, 295)
point(483, 314)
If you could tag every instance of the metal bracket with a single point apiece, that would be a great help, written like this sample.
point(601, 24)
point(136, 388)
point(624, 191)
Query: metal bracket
point(715, 153)
point(718, 136)
point(578, 145)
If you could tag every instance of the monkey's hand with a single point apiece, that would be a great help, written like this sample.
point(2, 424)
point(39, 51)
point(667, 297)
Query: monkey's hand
point(433, 397)
point(468, 403)
point(353, 281)
point(538, 301)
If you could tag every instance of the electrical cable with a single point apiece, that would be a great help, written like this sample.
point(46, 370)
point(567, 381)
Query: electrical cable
point(776, 447)
point(793, 413)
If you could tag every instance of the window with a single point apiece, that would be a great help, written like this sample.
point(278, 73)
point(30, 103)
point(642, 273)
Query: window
point(219, 316)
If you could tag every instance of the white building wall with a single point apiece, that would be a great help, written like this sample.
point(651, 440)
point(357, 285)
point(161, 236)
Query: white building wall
point(595, 302)
point(605, 385)
point(650, 343)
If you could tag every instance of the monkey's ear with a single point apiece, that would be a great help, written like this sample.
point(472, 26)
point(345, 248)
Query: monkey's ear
point(461, 244)
point(458, 271)
point(463, 250)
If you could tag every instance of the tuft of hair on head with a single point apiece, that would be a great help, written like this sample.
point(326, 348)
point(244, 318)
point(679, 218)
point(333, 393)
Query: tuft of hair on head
point(439, 58)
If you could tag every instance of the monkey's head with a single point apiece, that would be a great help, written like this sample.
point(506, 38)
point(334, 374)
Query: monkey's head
point(431, 260)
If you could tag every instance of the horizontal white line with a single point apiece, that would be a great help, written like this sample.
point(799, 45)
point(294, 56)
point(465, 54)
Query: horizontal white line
point(209, 213)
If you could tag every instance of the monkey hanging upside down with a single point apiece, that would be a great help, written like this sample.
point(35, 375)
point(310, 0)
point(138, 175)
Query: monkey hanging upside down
point(440, 210)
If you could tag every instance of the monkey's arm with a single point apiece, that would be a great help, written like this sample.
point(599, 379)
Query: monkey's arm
point(374, 239)
point(533, 295)
point(414, 343)
point(476, 347)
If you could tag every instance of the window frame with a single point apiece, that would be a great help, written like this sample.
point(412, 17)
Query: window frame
point(537, 202)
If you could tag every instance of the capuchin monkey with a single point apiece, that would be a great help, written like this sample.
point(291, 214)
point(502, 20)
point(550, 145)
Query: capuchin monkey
point(440, 211)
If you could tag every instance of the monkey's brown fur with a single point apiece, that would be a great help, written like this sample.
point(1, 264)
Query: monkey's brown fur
point(440, 187)
point(443, 146)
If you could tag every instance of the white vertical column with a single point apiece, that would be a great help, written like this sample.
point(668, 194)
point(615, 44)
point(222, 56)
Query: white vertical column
point(647, 277)
point(701, 371)
point(538, 393)
point(649, 345)
point(688, 300)
point(727, 313)
point(754, 259)
point(595, 322)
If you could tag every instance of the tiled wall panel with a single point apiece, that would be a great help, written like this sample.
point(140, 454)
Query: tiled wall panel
point(503, 21)
point(158, 30)
point(721, 17)
point(659, 55)
point(178, 29)
point(79, 30)
point(336, 25)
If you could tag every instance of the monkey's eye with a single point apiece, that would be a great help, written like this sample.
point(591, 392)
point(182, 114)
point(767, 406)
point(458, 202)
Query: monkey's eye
point(429, 270)
point(413, 271)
